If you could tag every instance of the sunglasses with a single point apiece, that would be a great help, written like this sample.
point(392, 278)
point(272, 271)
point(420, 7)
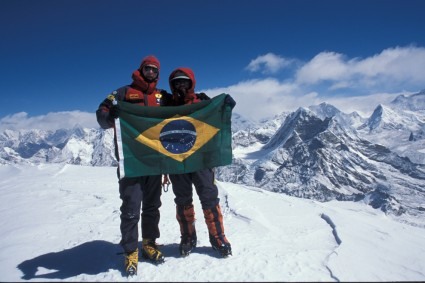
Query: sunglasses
point(181, 82)
point(147, 69)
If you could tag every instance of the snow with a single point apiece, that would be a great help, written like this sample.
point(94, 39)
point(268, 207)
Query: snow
point(61, 223)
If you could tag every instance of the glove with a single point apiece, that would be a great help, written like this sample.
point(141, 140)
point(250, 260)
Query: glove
point(114, 111)
point(203, 96)
point(230, 101)
point(166, 99)
point(164, 92)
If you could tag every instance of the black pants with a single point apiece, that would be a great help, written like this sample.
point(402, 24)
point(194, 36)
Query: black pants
point(139, 193)
point(204, 184)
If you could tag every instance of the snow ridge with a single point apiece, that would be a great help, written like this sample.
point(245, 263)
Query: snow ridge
point(317, 152)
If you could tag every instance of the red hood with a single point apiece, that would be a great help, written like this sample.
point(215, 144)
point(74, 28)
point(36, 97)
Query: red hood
point(189, 73)
point(139, 80)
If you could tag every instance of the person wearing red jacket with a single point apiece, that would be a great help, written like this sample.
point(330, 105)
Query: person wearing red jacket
point(182, 84)
point(142, 192)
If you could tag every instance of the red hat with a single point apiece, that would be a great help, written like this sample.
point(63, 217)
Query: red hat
point(150, 61)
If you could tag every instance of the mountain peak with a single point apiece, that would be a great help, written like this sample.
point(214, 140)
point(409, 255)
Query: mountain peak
point(303, 122)
point(412, 102)
point(325, 110)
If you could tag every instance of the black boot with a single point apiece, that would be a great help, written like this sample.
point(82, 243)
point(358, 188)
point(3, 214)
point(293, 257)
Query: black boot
point(187, 244)
point(221, 244)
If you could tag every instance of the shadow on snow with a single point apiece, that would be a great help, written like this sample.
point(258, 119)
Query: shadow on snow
point(90, 258)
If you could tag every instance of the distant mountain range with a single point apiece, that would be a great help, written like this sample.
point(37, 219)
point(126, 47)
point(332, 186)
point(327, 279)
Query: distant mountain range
point(318, 153)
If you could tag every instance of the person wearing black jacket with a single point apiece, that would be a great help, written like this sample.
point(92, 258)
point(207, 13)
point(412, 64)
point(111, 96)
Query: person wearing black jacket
point(144, 192)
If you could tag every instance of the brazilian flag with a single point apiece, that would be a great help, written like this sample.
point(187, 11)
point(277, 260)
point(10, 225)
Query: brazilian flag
point(174, 139)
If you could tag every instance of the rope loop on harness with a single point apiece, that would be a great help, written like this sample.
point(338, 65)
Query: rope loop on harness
point(165, 183)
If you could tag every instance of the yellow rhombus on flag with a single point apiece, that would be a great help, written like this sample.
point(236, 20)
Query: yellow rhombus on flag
point(202, 135)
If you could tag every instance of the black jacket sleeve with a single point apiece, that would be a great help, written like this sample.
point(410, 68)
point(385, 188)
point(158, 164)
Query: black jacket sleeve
point(102, 113)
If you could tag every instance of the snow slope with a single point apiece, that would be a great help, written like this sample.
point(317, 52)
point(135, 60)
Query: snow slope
point(61, 223)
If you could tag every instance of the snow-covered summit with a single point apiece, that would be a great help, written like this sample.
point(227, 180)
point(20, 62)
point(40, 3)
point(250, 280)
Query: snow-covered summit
point(413, 102)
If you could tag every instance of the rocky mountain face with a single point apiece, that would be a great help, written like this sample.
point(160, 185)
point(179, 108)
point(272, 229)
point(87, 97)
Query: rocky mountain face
point(318, 159)
point(322, 154)
point(318, 152)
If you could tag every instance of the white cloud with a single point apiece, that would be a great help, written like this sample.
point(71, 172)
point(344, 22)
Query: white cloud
point(268, 63)
point(399, 64)
point(324, 66)
point(258, 99)
point(400, 67)
point(350, 84)
point(50, 121)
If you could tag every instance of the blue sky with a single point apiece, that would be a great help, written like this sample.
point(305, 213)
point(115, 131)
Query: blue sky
point(271, 56)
